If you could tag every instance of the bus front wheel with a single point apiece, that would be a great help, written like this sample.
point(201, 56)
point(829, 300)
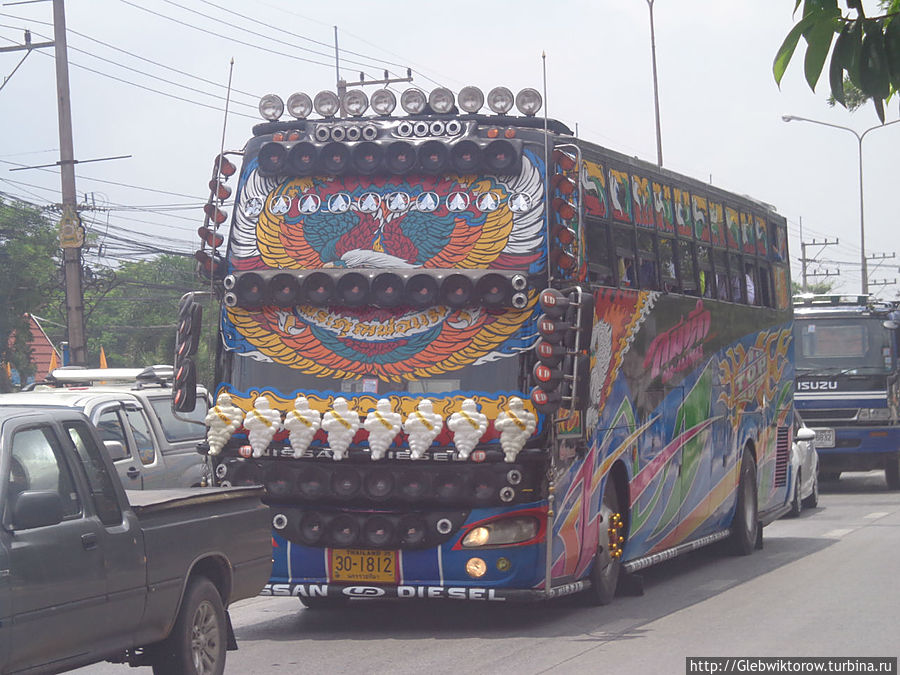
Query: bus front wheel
point(607, 561)
point(744, 529)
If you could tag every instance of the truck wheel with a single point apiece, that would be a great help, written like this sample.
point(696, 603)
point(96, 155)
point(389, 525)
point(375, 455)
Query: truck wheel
point(892, 472)
point(744, 531)
point(196, 645)
point(796, 503)
point(607, 561)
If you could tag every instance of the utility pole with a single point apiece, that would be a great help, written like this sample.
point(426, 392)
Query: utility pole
point(881, 257)
point(804, 260)
point(71, 233)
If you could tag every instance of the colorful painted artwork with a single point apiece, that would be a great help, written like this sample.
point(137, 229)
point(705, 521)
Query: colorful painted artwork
point(762, 239)
point(392, 223)
point(391, 344)
point(643, 202)
point(717, 224)
point(417, 221)
point(662, 205)
point(732, 228)
point(676, 380)
point(701, 218)
point(684, 217)
point(620, 195)
point(593, 186)
point(748, 233)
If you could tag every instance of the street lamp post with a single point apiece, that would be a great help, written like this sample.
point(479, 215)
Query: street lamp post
point(862, 218)
point(655, 86)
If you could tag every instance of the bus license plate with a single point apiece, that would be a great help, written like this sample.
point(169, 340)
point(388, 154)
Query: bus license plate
point(360, 565)
point(824, 438)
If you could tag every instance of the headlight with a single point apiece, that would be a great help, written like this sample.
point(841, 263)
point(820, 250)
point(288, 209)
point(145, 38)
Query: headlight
point(502, 532)
point(874, 414)
point(271, 107)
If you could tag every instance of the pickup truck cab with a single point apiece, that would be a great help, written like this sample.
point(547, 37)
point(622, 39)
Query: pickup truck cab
point(86, 575)
point(150, 445)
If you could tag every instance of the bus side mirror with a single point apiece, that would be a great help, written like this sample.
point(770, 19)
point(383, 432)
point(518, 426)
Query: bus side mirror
point(187, 340)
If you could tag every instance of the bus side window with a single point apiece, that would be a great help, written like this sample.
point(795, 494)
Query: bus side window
point(623, 240)
point(750, 282)
point(722, 283)
point(667, 265)
point(648, 272)
point(736, 281)
point(686, 272)
point(764, 289)
point(707, 278)
point(598, 253)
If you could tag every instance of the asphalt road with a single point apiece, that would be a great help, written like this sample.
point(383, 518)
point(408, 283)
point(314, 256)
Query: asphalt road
point(825, 584)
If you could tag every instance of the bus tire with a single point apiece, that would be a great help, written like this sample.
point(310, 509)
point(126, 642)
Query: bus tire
point(892, 472)
point(199, 638)
point(327, 602)
point(744, 530)
point(604, 575)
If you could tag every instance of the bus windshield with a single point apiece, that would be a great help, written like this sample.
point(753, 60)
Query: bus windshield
point(845, 346)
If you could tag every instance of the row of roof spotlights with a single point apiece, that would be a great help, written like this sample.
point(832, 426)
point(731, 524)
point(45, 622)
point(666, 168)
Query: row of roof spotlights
point(414, 101)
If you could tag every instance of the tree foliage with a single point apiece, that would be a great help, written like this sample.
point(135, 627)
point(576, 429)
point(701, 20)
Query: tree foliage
point(132, 315)
point(29, 280)
point(866, 50)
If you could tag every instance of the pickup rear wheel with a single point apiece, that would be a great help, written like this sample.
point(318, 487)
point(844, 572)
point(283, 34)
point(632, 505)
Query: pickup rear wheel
point(196, 645)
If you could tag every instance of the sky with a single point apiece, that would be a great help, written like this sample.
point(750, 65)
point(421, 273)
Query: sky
point(148, 79)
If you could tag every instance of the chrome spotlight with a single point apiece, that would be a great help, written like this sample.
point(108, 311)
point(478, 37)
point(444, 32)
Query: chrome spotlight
point(441, 100)
point(327, 103)
point(500, 100)
point(299, 105)
point(471, 99)
point(356, 102)
point(413, 101)
point(271, 107)
point(529, 101)
point(383, 102)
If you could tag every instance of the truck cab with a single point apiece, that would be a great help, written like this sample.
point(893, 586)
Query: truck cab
point(847, 385)
point(151, 446)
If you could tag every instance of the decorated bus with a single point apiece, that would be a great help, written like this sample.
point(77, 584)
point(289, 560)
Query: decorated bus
point(472, 356)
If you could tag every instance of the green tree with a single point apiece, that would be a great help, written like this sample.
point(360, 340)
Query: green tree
point(131, 313)
point(29, 281)
point(819, 287)
point(866, 49)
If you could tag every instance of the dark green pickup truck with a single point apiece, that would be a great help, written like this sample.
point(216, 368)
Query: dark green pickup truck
point(87, 575)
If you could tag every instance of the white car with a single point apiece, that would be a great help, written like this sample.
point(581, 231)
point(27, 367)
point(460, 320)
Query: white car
point(804, 469)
